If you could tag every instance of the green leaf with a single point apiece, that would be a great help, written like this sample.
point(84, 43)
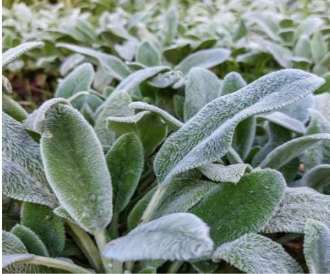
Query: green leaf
point(308, 26)
point(317, 247)
point(147, 126)
point(319, 48)
point(303, 48)
point(240, 31)
point(167, 79)
point(171, 121)
point(178, 236)
point(81, 183)
point(204, 58)
point(201, 88)
point(12, 54)
point(112, 64)
point(233, 210)
point(31, 240)
point(9, 259)
point(80, 79)
point(317, 177)
point(23, 173)
point(61, 212)
point(291, 149)
point(47, 226)
point(181, 195)
point(125, 161)
point(320, 153)
point(13, 109)
point(299, 205)
point(148, 55)
point(232, 82)
point(11, 244)
point(253, 253)
point(70, 63)
point(207, 136)
point(171, 23)
point(116, 105)
point(225, 174)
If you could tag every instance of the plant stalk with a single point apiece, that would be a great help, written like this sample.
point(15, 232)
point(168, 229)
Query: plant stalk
point(51, 262)
point(175, 267)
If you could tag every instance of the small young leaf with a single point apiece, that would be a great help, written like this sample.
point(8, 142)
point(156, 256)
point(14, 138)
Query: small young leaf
point(208, 135)
point(148, 55)
point(201, 88)
point(232, 82)
point(11, 244)
point(71, 62)
point(303, 48)
point(289, 150)
point(253, 253)
point(317, 246)
point(81, 182)
point(204, 59)
point(225, 174)
point(167, 79)
point(233, 210)
point(13, 109)
point(178, 236)
point(319, 48)
point(48, 227)
point(171, 121)
point(317, 177)
point(31, 240)
point(125, 161)
point(170, 26)
point(14, 53)
point(299, 204)
point(146, 125)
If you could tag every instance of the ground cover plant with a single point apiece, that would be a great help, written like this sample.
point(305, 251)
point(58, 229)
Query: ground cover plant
point(172, 143)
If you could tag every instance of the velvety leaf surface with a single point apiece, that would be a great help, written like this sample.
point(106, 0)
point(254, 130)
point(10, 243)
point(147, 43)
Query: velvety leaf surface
point(148, 55)
point(317, 177)
point(232, 82)
point(253, 253)
point(166, 79)
point(299, 205)
point(11, 244)
point(201, 88)
point(13, 109)
point(23, 173)
point(208, 135)
point(289, 150)
point(76, 168)
point(317, 247)
point(178, 236)
point(233, 210)
point(47, 226)
point(31, 240)
point(125, 161)
point(8, 259)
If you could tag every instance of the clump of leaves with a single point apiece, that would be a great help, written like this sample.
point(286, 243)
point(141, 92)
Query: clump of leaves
point(173, 169)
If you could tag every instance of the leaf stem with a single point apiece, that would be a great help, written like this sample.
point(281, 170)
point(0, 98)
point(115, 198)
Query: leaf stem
point(175, 267)
point(88, 247)
point(51, 262)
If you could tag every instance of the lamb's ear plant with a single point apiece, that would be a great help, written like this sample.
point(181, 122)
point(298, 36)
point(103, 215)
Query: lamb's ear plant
point(168, 168)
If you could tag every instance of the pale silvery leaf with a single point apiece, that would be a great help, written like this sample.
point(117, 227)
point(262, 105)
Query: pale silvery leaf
point(291, 149)
point(317, 247)
point(80, 79)
point(125, 161)
point(13, 109)
point(225, 174)
point(6, 85)
point(8, 259)
point(61, 212)
point(178, 236)
point(71, 62)
point(285, 121)
point(322, 104)
point(116, 105)
point(167, 79)
point(231, 210)
point(320, 153)
point(207, 136)
point(35, 120)
point(12, 54)
point(31, 240)
point(112, 64)
point(204, 59)
point(181, 195)
point(319, 48)
point(277, 135)
point(299, 205)
point(23, 173)
point(171, 121)
point(299, 109)
point(148, 55)
point(146, 125)
point(303, 48)
point(317, 177)
point(201, 88)
point(308, 26)
point(253, 253)
point(48, 227)
point(232, 82)
point(170, 27)
point(11, 244)
point(66, 154)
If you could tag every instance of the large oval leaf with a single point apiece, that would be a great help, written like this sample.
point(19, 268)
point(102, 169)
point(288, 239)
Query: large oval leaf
point(178, 236)
point(208, 135)
point(76, 167)
point(233, 210)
